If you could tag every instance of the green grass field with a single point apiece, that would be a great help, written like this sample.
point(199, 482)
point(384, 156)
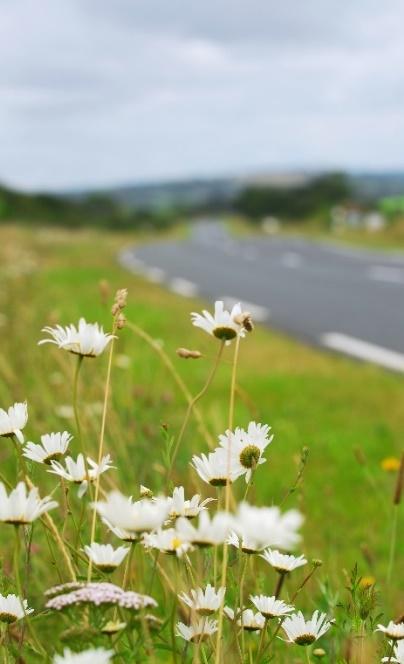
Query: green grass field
point(349, 415)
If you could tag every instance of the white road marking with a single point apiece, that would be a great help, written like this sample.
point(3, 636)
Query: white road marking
point(154, 274)
point(183, 287)
point(259, 313)
point(363, 350)
point(392, 275)
point(291, 259)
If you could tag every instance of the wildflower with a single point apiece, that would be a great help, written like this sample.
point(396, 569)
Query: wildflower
point(145, 492)
point(393, 631)
point(282, 562)
point(215, 468)
point(101, 594)
point(21, 507)
point(398, 653)
point(13, 420)
point(247, 619)
point(304, 632)
point(63, 587)
point(113, 627)
point(208, 531)
point(12, 608)
point(245, 320)
point(270, 607)
point(87, 339)
point(167, 541)
point(197, 631)
point(246, 447)
point(53, 446)
point(90, 656)
point(390, 464)
point(121, 533)
point(138, 517)
point(178, 506)
point(105, 557)
point(367, 581)
point(77, 472)
point(205, 602)
point(222, 324)
point(319, 653)
point(261, 527)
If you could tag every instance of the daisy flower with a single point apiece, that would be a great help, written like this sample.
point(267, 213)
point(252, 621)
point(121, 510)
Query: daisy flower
point(90, 656)
point(215, 468)
point(167, 541)
point(261, 527)
point(247, 619)
point(205, 602)
point(77, 472)
point(246, 447)
point(87, 339)
point(282, 562)
point(222, 324)
point(304, 632)
point(270, 607)
point(21, 506)
point(197, 631)
point(12, 608)
point(105, 557)
point(398, 653)
point(134, 516)
point(121, 533)
point(13, 420)
point(208, 531)
point(178, 506)
point(53, 446)
point(393, 631)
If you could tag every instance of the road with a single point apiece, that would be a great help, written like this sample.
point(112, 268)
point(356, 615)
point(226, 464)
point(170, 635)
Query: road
point(347, 300)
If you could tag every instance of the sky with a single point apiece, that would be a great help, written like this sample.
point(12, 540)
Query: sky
point(104, 92)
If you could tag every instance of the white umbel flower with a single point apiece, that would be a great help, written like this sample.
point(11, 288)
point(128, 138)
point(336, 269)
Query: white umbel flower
point(12, 608)
point(13, 420)
point(208, 531)
point(205, 602)
point(247, 619)
point(246, 447)
point(282, 562)
point(105, 557)
point(217, 468)
point(90, 656)
point(393, 631)
point(167, 541)
point(134, 516)
point(53, 447)
point(178, 506)
point(77, 472)
point(198, 631)
point(262, 527)
point(304, 632)
point(21, 506)
point(87, 339)
point(222, 324)
point(398, 653)
point(270, 607)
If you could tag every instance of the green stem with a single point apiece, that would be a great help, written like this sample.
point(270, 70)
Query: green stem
point(393, 542)
point(307, 655)
point(191, 405)
point(281, 579)
point(75, 400)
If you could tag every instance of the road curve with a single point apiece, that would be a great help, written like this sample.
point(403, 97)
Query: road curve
point(347, 300)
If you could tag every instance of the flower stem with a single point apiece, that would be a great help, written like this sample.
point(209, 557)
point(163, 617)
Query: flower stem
point(191, 405)
point(391, 653)
point(101, 446)
point(279, 584)
point(75, 400)
point(307, 655)
point(227, 497)
point(393, 542)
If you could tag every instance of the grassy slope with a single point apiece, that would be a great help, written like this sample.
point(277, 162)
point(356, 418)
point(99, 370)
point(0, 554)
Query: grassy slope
point(327, 403)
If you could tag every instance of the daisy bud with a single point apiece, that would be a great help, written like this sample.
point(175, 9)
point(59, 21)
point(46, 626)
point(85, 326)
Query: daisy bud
point(120, 321)
point(145, 492)
point(400, 483)
point(316, 562)
point(186, 354)
point(244, 319)
point(319, 653)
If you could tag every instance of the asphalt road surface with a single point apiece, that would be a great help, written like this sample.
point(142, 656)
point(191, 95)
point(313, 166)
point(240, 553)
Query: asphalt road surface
point(347, 300)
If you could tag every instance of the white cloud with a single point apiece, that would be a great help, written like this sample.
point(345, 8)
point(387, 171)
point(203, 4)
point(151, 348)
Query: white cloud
point(95, 91)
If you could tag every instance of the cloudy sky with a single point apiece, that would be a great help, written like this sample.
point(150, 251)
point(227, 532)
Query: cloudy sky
point(98, 92)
